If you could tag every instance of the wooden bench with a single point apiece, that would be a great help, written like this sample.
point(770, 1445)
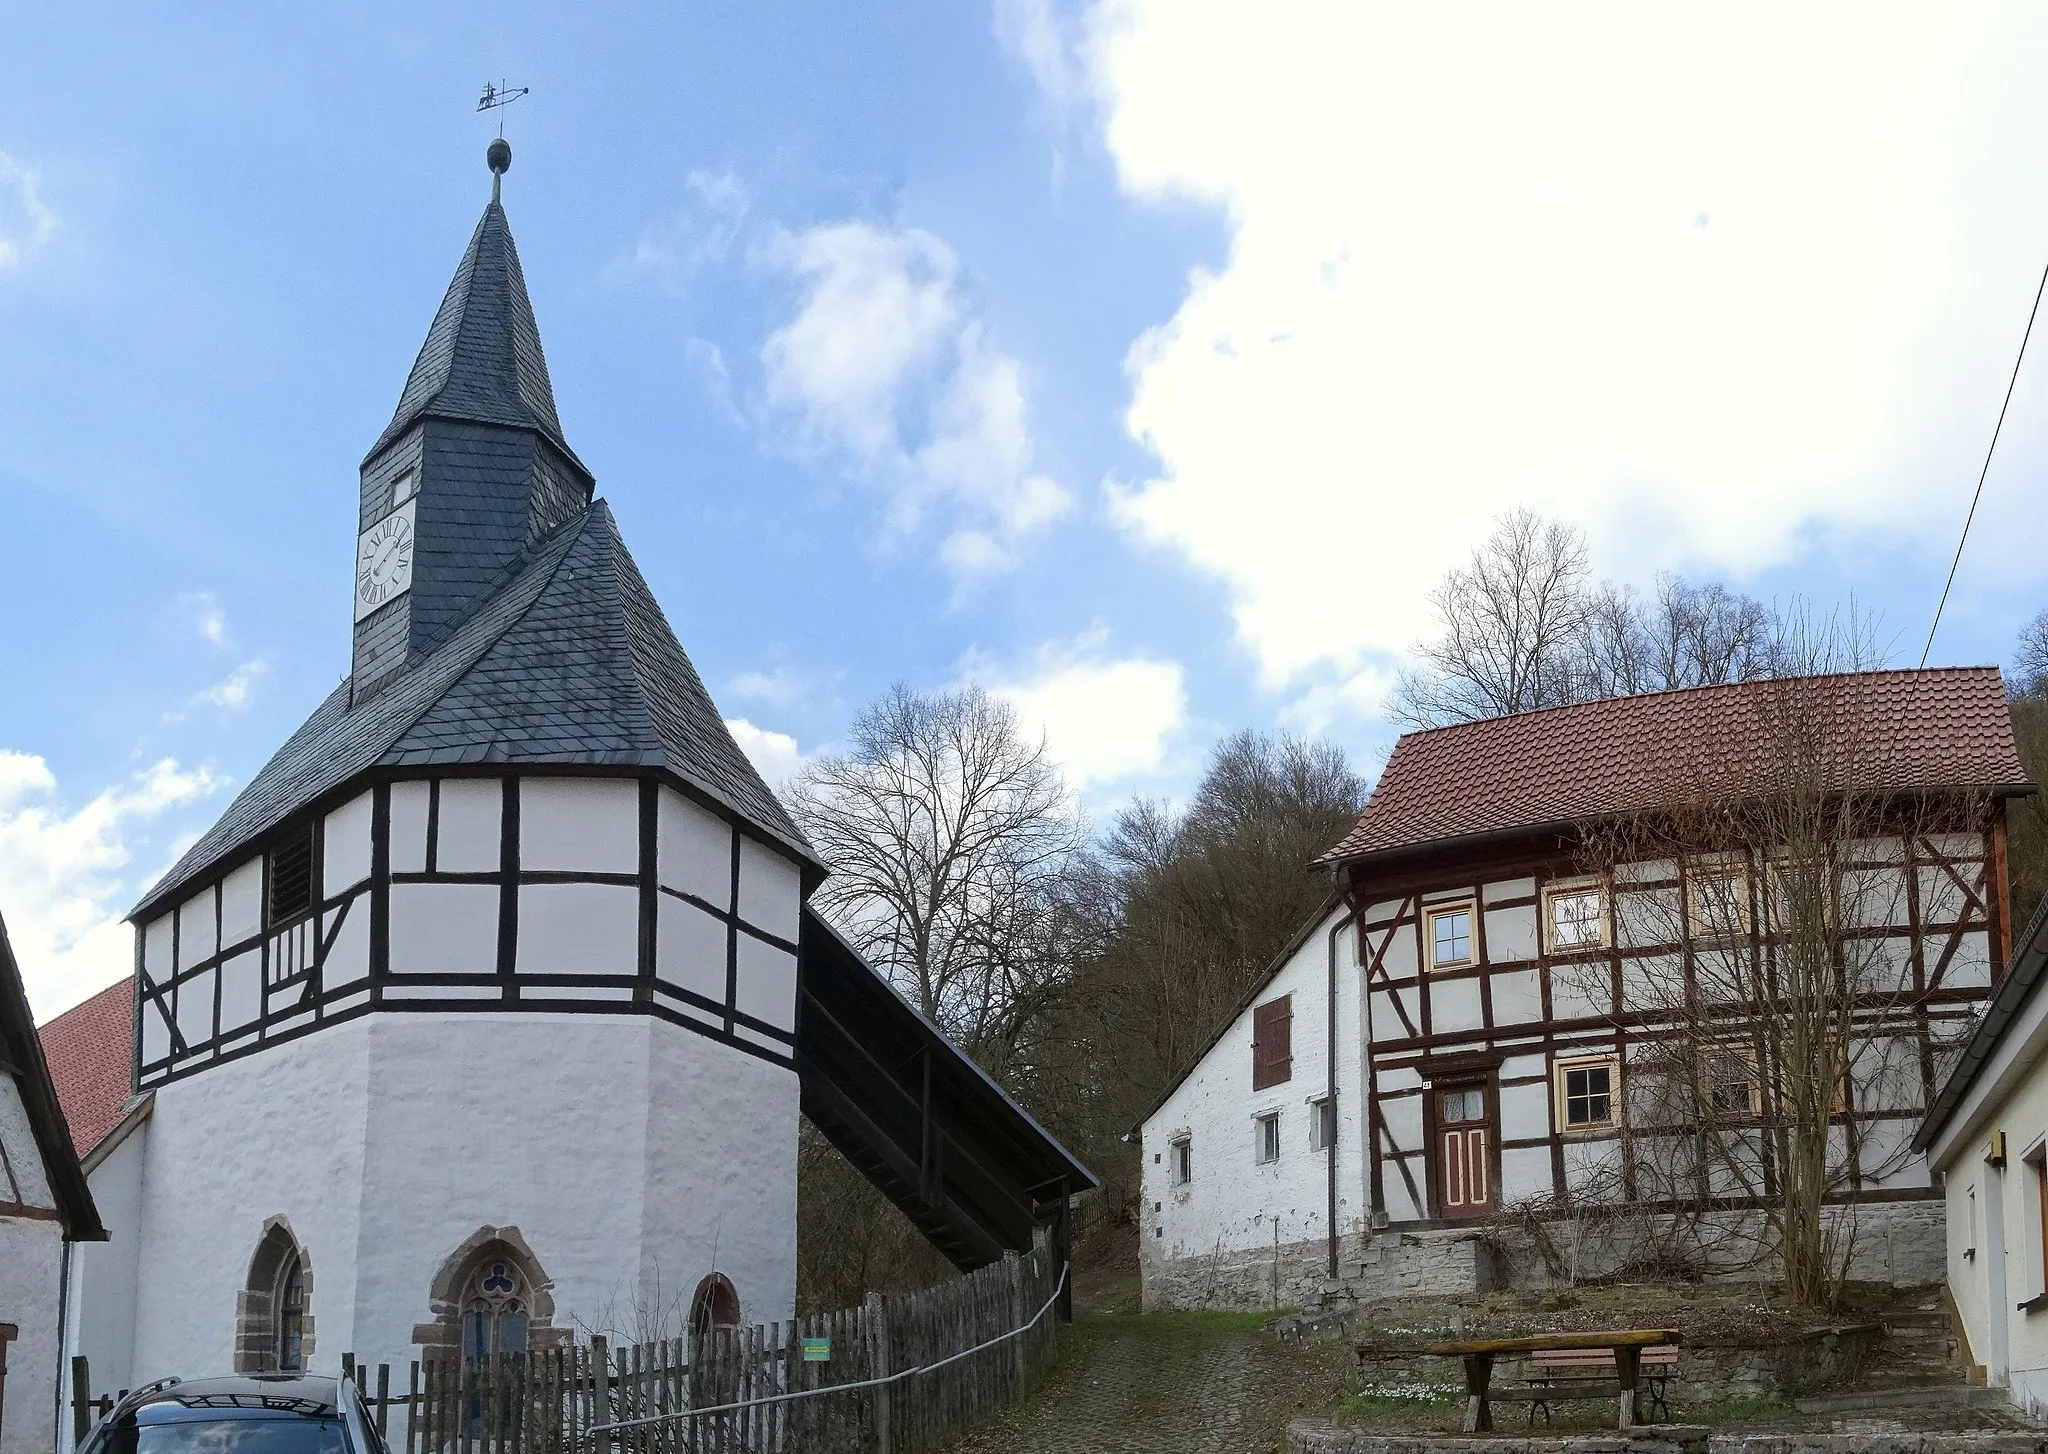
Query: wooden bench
point(1557, 1374)
point(1622, 1349)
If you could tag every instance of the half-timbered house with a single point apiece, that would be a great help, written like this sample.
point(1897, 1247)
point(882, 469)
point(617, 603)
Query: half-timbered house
point(488, 1009)
point(1535, 936)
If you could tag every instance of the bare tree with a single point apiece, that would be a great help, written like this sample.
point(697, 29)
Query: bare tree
point(1764, 980)
point(948, 834)
point(1511, 619)
point(2030, 658)
point(1524, 627)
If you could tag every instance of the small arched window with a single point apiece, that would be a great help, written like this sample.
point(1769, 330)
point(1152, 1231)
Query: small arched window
point(490, 1298)
point(273, 1321)
point(715, 1305)
point(494, 1312)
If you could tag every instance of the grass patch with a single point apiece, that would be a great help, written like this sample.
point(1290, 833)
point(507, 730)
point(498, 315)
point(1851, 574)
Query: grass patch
point(1394, 1398)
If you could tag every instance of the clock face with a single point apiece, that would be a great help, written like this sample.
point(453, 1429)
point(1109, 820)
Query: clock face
point(384, 560)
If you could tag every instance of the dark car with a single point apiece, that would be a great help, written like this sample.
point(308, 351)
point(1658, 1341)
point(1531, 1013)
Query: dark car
point(246, 1414)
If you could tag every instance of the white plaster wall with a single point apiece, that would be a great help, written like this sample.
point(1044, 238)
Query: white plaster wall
point(410, 805)
point(444, 928)
point(31, 1275)
point(577, 928)
point(472, 826)
point(693, 850)
point(24, 1157)
point(102, 1304)
point(345, 845)
point(1232, 1203)
point(579, 825)
point(689, 948)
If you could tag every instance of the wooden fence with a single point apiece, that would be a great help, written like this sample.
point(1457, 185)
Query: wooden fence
point(894, 1376)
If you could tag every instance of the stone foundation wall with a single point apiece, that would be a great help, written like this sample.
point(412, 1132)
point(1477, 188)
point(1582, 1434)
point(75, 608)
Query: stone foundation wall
point(1314, 1436)
point(1900, 1244)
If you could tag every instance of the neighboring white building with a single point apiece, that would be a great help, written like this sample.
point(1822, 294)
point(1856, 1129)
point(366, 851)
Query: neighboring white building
point(1237, 1162)
point(474, 1021)
point(1986, 1135)
point(1511, 1033)
point(45, 1208)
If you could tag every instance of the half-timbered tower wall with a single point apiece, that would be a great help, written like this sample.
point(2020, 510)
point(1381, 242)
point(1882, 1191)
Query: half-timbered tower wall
point(1513, 1002)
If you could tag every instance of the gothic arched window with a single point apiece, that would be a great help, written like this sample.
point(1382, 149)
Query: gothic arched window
point(273, 1327)
point(489, 1298)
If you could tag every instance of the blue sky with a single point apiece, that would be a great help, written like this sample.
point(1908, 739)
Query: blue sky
point(1144, 361)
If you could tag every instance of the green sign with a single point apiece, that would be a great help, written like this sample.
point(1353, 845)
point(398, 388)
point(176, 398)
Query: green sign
point(817, 1350)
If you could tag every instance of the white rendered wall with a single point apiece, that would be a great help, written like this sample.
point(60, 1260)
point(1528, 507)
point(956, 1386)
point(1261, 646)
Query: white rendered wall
point(31, 1274)
point(623, 1148)
point(102, 1302)
point(1232, 1203)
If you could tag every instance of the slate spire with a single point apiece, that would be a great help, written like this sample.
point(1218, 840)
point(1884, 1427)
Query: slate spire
point(482, 360)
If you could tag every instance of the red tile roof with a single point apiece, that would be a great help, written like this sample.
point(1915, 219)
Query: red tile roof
point(89, 1050)
point(1944, 728)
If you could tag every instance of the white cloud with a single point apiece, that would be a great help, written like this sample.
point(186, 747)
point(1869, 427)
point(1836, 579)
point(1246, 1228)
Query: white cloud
point(62, 888)
point(702, 231)
point(887, 366)
point(1106, 719)
point(775, 755)
point(26, 222)
point(1035, 33)
point(232, 693)
point(784, 686)
point(208, 619)
point(1716, 284)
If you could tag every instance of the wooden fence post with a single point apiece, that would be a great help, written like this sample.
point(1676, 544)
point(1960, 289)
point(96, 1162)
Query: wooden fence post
point(384, 1404)
point(878, 1357)
point(81, 1399)
point(600, 1390)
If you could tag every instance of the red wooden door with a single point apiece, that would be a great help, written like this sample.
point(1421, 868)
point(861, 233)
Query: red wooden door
point(1464, 1161)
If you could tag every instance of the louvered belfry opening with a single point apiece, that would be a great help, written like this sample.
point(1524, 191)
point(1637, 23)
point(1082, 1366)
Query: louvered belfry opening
point(1273, 1042)
point(291, 874)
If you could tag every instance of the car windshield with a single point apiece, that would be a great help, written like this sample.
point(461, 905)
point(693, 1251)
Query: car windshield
point(238, 1433)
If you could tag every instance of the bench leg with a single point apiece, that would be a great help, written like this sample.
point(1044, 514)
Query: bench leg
point(1657, 1385)
point(1627, 1361)
point(1478, 1373)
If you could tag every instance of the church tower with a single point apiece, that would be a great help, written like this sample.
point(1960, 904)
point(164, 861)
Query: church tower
point(473, 1017)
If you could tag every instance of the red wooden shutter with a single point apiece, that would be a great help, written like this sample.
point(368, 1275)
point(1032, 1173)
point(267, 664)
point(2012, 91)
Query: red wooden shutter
point(1272, 1042)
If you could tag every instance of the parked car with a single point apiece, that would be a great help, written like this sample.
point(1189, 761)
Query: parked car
point(273, 1413)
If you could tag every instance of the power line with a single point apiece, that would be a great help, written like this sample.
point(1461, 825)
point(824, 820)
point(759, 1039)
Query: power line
point(1974, 498)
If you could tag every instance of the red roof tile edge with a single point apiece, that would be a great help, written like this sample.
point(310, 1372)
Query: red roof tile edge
point(90, 1051)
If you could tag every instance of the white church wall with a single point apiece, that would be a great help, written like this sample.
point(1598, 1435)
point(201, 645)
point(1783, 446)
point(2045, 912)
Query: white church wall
point(693, 850)
point(23, 1157)
point(411, 808)
point(444, 928)
point(471, 826)
point(241, 903)
point(771, 890)
point(1233, 1202)
point(280, 1133)
point(345, 844)
point(689, 948)
point(579, 825)
point(578, 928)
point(765, 985)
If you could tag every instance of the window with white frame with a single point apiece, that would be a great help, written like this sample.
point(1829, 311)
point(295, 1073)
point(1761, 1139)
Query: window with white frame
point(1266, 1137)
point(1587, 1090)
point(1181, 1157)
point(1322, 1123)
point(1732, 1088)
point(1447, 931)
point(1718, 902)
point(1575, 917)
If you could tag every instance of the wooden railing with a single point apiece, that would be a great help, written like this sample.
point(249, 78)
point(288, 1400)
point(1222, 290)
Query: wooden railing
point(893, 1376)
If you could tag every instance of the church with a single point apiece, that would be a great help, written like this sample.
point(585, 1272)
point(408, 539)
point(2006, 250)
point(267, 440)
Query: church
point(485, 1016)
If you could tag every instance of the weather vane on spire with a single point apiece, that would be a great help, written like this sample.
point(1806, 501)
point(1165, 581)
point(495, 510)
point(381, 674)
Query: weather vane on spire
point(499, 154)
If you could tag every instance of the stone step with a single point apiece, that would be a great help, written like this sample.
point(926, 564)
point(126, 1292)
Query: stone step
point(1949, 1395)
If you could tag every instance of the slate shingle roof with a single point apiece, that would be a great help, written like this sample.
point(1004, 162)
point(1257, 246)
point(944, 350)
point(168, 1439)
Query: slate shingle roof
point(482, 360)
point(570, 662)
point(1943, 728)
point(89, 1049)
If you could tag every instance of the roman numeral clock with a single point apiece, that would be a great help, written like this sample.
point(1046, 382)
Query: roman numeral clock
point(384, 560)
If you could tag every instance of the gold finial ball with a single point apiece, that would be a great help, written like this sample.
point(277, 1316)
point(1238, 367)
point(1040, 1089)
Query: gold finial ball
point(499, 156)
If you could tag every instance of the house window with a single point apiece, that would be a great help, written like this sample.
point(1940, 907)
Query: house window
point(1720, 904)
point(1322, 1124)
point(1585, 1093)
point(1575, 917)
point(1731, 1082)
point(1183, 1158)
point(1268, 1137)
point(1448, 931)
point(1273, 1042)
point(290, 872)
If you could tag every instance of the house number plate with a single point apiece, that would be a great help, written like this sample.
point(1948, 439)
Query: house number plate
point(817, 1350)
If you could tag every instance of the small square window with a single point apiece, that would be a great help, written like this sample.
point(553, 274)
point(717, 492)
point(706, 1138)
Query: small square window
point(1732, 1083)
point(1322, 1124)
point(1448, 931)
point(1268, 1137)
point(1183, 1162)
point(1585, 1093)
point(402, 488)
point(1719, 904)
point(1575, 917)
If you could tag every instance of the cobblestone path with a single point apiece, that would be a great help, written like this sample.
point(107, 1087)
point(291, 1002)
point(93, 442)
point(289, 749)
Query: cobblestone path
point(1169, 1384)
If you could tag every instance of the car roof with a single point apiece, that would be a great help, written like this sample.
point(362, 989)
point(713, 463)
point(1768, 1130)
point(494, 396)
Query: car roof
point(289, 1393)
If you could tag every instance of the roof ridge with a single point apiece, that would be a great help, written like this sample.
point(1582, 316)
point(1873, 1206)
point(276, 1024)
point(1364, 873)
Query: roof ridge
point(621, 629)
point(1749, 683)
